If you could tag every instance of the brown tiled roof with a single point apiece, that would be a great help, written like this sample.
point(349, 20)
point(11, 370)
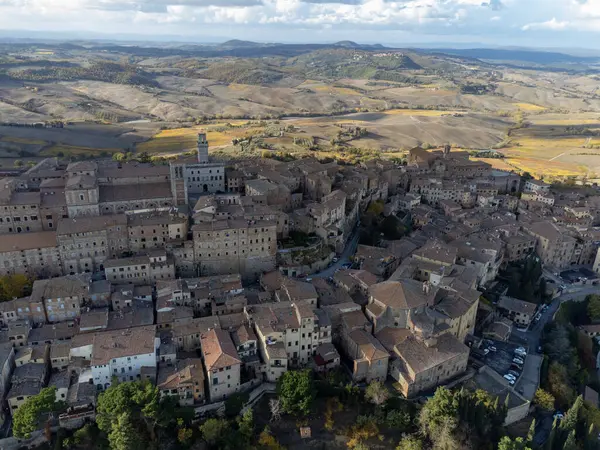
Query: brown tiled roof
point(27, 241)
point(89, 224)
point(516, 305)
point(419, 357)
point(60, 350)
point(242, 335)
point(184, 372)
point(370, 347)
point(405, 294)
point(390, 337)
point(218, 350)
point(120, 343)
point(132, 192)
point(437, 251)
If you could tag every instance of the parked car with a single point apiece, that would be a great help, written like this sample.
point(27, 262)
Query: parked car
point(335, 260)
point(518, 361)
point(540, 349)
point(516, 367)
point(521, 351)
point(514, 373)
point(510, 380)
point(492, 348)
point(486, 351)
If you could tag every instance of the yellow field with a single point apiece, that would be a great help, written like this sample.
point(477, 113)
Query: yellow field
point(529, 107)
point(184, 139)
point(238, 87)
point(73, 150)
point(18, 140)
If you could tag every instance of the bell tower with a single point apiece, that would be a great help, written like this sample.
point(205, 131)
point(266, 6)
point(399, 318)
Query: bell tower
point(202, 148)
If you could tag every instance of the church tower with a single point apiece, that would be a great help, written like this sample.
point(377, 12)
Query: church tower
point(202, 148)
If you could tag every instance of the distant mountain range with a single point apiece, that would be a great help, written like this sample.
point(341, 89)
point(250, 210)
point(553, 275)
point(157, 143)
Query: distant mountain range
point(249, 49)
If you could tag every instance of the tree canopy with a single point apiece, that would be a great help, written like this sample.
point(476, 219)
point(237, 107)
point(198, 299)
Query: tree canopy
point(135, 406)
point(296, 391)
point(26, 418)
point(451, 417)
point(14, 286)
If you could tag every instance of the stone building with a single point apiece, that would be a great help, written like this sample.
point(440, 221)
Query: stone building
point(33, 254)
point(86, 242)
point(235, 246)
point(193, 178)
point(146, 269)
point(155, 229)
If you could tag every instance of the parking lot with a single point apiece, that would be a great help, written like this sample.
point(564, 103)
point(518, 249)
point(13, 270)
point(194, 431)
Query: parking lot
point(578, 275)
point(502, 358)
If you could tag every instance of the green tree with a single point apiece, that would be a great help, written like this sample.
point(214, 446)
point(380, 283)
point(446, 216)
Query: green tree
point(377, 393)
point(118, 156)
point(141, 401)
point(439, 414)
point(122, 435)
point(593, 307)
point(214, 431)
point(14, 286)
point(267, 441)
point(410, 443)
point(507, 443)
point(144, 157)
point(544, 399)
point(531, 432)
point(559, 384)
point(18, 163)
point(571, 418)
point(26, 418)
point(246, 425)
point(571, 442)
point(376, 208)
point(296, 391)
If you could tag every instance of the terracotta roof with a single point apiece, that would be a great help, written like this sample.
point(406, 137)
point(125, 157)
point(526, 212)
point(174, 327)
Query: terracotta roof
point(218, 350)
point(89, 224)
point(132, 192)
point(242, 335)
point(121, 343)
point(390, 337)
point(516, 305)
point(419, 357)
point(370, 347)
point(355, 319)
point(184, 372)
point(405, 294)
point(27, 241)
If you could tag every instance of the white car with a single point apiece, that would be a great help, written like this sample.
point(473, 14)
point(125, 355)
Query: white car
point(518, 361)
point(510, 379)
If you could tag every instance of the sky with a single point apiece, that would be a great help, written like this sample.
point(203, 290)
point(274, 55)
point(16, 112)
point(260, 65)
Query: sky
point(530, 23)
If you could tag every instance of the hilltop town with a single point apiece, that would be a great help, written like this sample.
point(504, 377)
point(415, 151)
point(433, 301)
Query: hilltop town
point(215, 280)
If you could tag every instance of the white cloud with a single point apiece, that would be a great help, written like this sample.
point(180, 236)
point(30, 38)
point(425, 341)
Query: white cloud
point(551, 24)
point(311, 20)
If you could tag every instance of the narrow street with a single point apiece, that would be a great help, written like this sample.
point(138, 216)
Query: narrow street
point(343, 259)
